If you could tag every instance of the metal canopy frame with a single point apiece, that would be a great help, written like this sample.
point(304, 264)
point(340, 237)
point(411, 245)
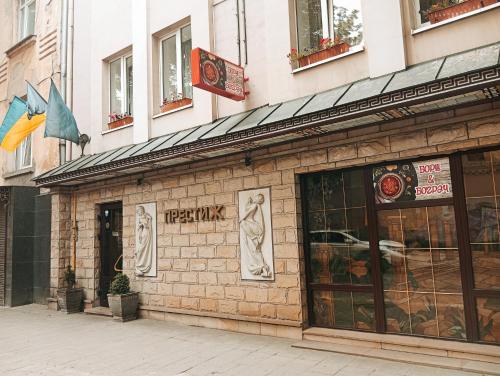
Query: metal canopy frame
point(438, 84)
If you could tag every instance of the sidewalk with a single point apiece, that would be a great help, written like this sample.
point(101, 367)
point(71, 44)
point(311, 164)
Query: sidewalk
point(35, 341)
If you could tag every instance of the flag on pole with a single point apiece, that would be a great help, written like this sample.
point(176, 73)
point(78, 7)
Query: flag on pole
point(60, 122)
point(22, 119)
point(36, 104)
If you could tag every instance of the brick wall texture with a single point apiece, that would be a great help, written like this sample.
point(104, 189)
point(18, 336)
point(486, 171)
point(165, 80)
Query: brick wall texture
point(198, 263)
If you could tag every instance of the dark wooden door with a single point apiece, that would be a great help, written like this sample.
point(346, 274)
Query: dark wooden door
point(111, 252)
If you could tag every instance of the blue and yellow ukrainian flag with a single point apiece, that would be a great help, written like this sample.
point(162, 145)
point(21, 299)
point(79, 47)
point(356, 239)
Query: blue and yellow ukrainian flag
point(22, 119)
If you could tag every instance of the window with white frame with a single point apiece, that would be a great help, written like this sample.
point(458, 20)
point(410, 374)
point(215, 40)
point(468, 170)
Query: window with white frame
point(175, 66)
point(121, 87)
point(429, 12)
point(27, 11)
point(336, 20)
point(23, 154)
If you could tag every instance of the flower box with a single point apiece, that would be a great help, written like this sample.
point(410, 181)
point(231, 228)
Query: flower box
point(169, 106)
point(455, 10)
point(324, 54)
point(120, 122)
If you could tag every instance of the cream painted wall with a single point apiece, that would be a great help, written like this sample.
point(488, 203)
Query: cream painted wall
point(464, 34)
point(389, 46)
point(34, 62)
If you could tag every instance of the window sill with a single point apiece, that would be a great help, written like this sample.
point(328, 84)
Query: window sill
point(117, 129)
point(454, 19)
point(352, 51)
point(19, 46)
point(22, 171)
point(172, 111)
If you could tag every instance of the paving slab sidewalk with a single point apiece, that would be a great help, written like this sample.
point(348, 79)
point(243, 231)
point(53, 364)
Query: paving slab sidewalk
point(36, 341)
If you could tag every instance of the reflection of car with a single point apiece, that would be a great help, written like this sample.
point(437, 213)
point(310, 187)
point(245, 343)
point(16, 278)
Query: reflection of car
point(343, 239)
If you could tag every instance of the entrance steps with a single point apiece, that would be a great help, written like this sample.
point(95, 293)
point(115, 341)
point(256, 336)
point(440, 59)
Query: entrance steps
point(99, 311)
point(483, 359)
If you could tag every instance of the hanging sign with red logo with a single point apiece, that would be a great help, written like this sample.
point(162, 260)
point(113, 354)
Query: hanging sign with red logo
point(217, 75)
point(411, 181)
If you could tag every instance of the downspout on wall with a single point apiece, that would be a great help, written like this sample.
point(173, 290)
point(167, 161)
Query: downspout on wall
point(64, 69)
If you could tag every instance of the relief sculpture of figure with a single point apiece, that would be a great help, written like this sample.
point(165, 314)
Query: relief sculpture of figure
point(253, 230)
point(144, 240)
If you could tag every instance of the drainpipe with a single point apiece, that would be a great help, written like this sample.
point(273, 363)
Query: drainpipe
point(64, 68)
point(69, 73)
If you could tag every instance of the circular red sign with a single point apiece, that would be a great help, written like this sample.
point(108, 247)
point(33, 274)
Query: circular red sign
point(210, 72)
point(391, 186)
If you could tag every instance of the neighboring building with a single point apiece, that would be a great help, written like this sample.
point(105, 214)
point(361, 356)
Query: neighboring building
point(29, 51)
point(381, 162)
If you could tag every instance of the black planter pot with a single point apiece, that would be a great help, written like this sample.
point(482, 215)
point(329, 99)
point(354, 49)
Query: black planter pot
point(70, 300)
point(124, 307)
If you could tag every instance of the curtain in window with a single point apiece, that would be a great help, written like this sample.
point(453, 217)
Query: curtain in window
point(23, 154)
point(130, 84)
point(309, 24)
point(187, 88)
point(169, 56)
point(115, 87)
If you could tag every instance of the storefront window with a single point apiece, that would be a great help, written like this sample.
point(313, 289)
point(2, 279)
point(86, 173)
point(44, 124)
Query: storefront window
point(339, 250)
point(422, 285)
point(482, 191)
point(427, 240)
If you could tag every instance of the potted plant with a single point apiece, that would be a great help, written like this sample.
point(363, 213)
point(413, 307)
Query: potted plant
point(175, 102)
point(119, 120)
point(446, 9)
point(122, 301)
point(327, 48)
point(295, 57)
point(70, 298)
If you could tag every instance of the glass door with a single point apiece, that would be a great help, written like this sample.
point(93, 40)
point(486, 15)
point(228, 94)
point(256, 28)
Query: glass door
point(339, 256)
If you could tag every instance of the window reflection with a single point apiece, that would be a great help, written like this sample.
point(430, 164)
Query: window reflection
point(318, 20)
point(482, 191)
point(339, 249)
point(422, 281)
point(338, 233)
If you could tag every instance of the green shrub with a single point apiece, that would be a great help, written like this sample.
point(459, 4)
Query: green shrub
point(120, 285)
point(69, 277)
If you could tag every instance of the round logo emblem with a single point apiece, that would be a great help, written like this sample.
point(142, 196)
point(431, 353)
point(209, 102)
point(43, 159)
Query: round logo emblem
point(210, 72)
point(391, 186)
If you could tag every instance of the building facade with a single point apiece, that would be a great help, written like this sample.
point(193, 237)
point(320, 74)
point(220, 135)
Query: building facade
point(29, 45)
point(354, 190)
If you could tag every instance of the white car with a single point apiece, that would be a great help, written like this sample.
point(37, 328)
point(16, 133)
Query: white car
point(389, 248)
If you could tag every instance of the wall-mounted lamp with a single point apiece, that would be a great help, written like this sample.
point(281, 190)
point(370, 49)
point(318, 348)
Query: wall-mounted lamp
point(248, 159)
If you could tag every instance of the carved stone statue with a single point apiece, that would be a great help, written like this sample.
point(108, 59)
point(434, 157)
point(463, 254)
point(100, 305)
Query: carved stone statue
point(253, 230)
point(144, 242)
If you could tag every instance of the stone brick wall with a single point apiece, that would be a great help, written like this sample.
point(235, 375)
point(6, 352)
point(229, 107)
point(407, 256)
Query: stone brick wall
point(198, 263)
point(60, 239)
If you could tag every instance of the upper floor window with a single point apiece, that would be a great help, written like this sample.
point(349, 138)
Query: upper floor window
point(23, 154)
point(175, 66)
point(120, 91)
point(27, 11)
point(429, 12)
point(327, 26)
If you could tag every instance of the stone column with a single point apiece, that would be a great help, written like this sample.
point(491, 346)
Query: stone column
point(60, 248)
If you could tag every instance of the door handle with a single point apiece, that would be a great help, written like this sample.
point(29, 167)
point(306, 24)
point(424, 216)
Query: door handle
point(116, 263)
